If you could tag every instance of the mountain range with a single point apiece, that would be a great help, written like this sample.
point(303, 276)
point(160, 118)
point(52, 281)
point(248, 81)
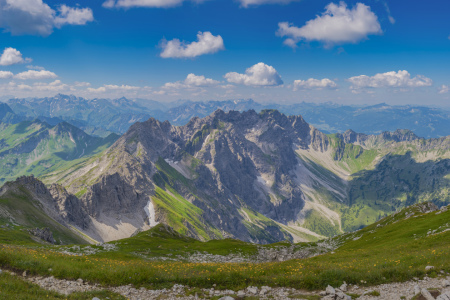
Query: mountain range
point(259, 177)
point(101, 117)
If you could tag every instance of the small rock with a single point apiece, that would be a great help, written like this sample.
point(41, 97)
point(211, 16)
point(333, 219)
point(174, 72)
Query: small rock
point(95, 298)
point(323, 293)
point(79, 280)
point(24, 274)
point(426, 294)
point(416, 290)
point(343, 287)
point(252, 289)
point(330, 290)
point(341, 295)
point(427, 268)
point(445, 283)
point(240, 293)
point(226, 298)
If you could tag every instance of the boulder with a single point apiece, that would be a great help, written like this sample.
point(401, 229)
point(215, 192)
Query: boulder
point(330, 290)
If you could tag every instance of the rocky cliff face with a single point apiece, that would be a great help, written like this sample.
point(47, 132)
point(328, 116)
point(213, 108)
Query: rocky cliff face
point(47, 213)
point(260, 177)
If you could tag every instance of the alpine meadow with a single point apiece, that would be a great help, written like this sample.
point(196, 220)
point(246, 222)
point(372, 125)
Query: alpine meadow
point(224, 150)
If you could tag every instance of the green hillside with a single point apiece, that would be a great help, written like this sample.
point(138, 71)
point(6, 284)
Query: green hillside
point(34, 147)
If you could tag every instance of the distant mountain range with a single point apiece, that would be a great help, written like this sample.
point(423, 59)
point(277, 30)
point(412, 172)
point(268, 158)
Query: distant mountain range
point(100, 117)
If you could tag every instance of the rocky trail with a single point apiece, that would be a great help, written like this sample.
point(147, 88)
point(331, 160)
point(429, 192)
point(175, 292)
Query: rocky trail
point(417, 289)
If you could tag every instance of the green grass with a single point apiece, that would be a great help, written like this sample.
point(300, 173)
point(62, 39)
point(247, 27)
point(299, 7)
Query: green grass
point(397, 250)
point(318, 223)
point(39, 149)
point(26, 214)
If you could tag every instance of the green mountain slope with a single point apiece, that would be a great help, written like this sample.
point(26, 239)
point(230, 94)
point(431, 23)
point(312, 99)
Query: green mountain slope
point(34, 147)
point(25, 206)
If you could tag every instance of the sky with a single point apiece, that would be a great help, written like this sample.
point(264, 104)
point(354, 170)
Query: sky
point(283, 51)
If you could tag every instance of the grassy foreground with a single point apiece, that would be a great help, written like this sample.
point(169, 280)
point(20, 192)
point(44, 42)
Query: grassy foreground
point(397, 249)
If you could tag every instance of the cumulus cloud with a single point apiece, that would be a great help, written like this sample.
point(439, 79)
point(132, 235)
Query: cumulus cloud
point(112, 87)
point(55, 86)
point(35, 75)
point(444, 89)
point(312, 83)
point(141, 3)
point(257, 75)
point(191, 81)
point(37, 18)
point(81, 84)
point(337, 25)
point(247, 3)
point(6, 74)
point(400, 79)
point(73, 16)
point(145, 3)
point(11, 56)
point(206, 44)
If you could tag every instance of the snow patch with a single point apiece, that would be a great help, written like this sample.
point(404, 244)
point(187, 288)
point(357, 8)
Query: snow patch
point(150, 211)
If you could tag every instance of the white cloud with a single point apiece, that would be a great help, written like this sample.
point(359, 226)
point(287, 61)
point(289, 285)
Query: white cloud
point(312, 83)
point(444, 89)
point(247, 3)
point(6, 74)
point(194, 80)
point(191, 81)
point(141, 3)
point(206, 44)
point(73, 16)
point(55, 86)
point(144, 3)
point(12, 56)
point(400, 79)
point(113, 87)
point(36, 17)
point(81, 84)
point(337, 25)
point(35, 75)
point(35, 68)
point(390, 17)
point(257, 75)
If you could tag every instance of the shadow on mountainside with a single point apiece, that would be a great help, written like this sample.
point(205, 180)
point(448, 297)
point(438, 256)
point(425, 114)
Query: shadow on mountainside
point(396, 182)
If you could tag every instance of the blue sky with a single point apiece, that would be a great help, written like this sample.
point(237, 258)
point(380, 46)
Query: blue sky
point(359, 52)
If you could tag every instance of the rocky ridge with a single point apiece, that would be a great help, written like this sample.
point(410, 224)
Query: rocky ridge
point(259, 177)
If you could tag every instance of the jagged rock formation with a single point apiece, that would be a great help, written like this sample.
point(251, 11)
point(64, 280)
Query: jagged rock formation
point(29, 203)
point(258, 177)
point(44, 234)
